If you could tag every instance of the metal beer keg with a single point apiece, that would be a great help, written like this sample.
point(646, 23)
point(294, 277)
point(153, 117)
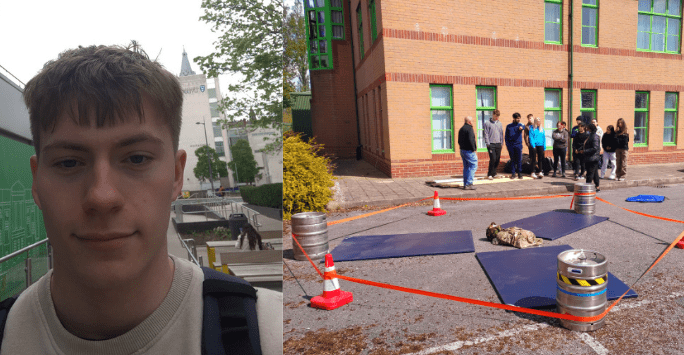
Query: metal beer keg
point(581, 287)
point(311, 230)
point(585, 198)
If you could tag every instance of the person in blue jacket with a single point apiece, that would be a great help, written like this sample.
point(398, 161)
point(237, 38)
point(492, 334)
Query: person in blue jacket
point(513, 139)
point(537, 147)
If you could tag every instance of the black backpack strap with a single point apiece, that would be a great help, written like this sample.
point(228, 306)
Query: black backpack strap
point(4, 312)
point(229, 324)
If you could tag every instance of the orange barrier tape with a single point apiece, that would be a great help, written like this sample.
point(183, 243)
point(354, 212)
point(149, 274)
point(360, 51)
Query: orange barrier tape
point(643, 214)
point(492, 304)
point(372, 213)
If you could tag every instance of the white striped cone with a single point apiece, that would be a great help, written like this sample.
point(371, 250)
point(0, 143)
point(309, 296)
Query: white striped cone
point(436, 209)
point(332, 297)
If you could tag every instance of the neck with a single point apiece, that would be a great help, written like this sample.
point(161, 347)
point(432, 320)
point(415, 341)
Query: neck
point(104, 313)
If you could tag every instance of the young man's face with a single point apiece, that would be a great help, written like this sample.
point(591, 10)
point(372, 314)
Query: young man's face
point(530, 120)
point(516, 119)
point(106, 193)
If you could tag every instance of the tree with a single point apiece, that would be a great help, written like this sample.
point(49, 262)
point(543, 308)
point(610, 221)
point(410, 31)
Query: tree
point(218, 167)
point(295, 57)
point(243, 161)
point(250, 44)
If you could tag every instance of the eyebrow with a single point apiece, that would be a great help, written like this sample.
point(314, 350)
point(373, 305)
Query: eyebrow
point(138, 138)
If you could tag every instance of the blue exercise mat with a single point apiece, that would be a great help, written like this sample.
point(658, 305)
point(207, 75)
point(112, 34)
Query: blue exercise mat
point(555, 224)
point(527, 277)
point(403, 245)
point(646, 198)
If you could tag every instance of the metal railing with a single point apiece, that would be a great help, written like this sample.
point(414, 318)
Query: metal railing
point(223, 208)
point(28, 264)
point(192, 250)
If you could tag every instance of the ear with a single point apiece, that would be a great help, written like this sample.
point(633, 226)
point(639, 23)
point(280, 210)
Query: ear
point(180, 158)
point(33, 161)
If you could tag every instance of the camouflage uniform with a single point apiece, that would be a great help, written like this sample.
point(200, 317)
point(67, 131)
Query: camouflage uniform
point(514, 236)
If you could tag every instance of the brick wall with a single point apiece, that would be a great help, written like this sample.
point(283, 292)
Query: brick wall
point(470, 43)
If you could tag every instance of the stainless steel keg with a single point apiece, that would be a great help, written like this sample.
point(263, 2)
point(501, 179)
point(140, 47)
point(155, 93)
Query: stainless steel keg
point(581, 287)
point(585, 198)
point(311, 230)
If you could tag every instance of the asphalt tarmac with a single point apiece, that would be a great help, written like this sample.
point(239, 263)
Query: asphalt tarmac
point(382, 321)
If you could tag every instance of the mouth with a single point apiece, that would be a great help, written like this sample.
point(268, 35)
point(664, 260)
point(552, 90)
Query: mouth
point(102, 237)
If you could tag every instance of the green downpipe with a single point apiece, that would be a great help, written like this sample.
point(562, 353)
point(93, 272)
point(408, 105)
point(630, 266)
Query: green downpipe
point(570, 77)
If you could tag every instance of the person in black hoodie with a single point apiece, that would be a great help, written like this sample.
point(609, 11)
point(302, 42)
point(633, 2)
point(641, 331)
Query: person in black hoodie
point(468, 145)
point(590, 151)
point(609, 143)
point(577, 144)
point(622, 148)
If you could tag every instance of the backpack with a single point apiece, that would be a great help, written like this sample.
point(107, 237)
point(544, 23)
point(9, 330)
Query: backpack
point(229, 320)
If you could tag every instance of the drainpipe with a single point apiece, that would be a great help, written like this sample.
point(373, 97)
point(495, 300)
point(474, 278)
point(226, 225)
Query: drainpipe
point(570, 77)
point(359, 150)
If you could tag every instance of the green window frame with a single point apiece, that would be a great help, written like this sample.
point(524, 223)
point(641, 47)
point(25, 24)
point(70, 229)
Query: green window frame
point(359, 28)
point(588, 100)
point(670, 124)
point(641, 104)
point(485, 104)
point(442, 118)
point(325, 23)
point(553, 113)
point(553, 21)
point(659, 26)
point(374, 29)
point(590, 12)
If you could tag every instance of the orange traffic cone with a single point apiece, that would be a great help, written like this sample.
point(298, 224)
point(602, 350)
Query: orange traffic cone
point(436, 210)
point(680, 244)
point(332, 296)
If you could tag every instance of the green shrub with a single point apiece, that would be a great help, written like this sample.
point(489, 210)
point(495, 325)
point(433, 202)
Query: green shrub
point(307, 177)
point(270, 195)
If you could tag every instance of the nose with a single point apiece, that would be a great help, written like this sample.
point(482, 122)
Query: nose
point(102, 194)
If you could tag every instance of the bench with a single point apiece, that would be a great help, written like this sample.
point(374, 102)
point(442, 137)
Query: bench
point(252, 266)
point(228, 246)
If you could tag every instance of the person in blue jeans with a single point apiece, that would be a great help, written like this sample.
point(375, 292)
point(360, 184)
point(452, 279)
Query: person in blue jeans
point(513, 138)
point(468, 145)
point(537, 145)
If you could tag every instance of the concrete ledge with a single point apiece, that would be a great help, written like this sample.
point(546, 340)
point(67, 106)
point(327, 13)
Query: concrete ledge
point(512, 192)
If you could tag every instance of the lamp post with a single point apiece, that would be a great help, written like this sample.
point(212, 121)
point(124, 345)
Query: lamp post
point(211, 174)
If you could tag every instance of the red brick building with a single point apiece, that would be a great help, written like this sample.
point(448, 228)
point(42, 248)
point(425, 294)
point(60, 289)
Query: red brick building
point(396, 77)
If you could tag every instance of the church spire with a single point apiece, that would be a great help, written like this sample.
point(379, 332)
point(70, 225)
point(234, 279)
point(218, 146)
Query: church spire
point(185, 66)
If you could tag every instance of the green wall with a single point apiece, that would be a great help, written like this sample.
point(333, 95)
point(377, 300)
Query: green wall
point(21, 222)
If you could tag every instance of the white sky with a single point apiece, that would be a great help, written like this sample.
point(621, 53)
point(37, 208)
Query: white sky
point(34, 32)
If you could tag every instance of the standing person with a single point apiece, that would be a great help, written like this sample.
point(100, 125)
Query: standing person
point(105, 123)
point(526, 137)
point(538, 145)
point(249, 239)
point(493, 137)
point(513, 138)
point(609, 143)
point(577, 144)
point(590, 153)
point(599, 132)
point(468, 145)
point(622, 148)
point(560, 144)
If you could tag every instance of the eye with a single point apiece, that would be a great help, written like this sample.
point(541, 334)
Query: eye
point(139, 159)
point(67, 163)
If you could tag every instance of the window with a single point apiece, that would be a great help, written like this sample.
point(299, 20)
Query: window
point(217, 129)
point(553, 28)
point(374, 29)
point(324, 23)
point(670, 126)
point(588, 107)
point(590, 23)
point(552, 113)
point(219, 149)
point(659, 25)
point(214, 109)
point(360, 31)
point(641, 119)
point(485, 106)
point(442, 113)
